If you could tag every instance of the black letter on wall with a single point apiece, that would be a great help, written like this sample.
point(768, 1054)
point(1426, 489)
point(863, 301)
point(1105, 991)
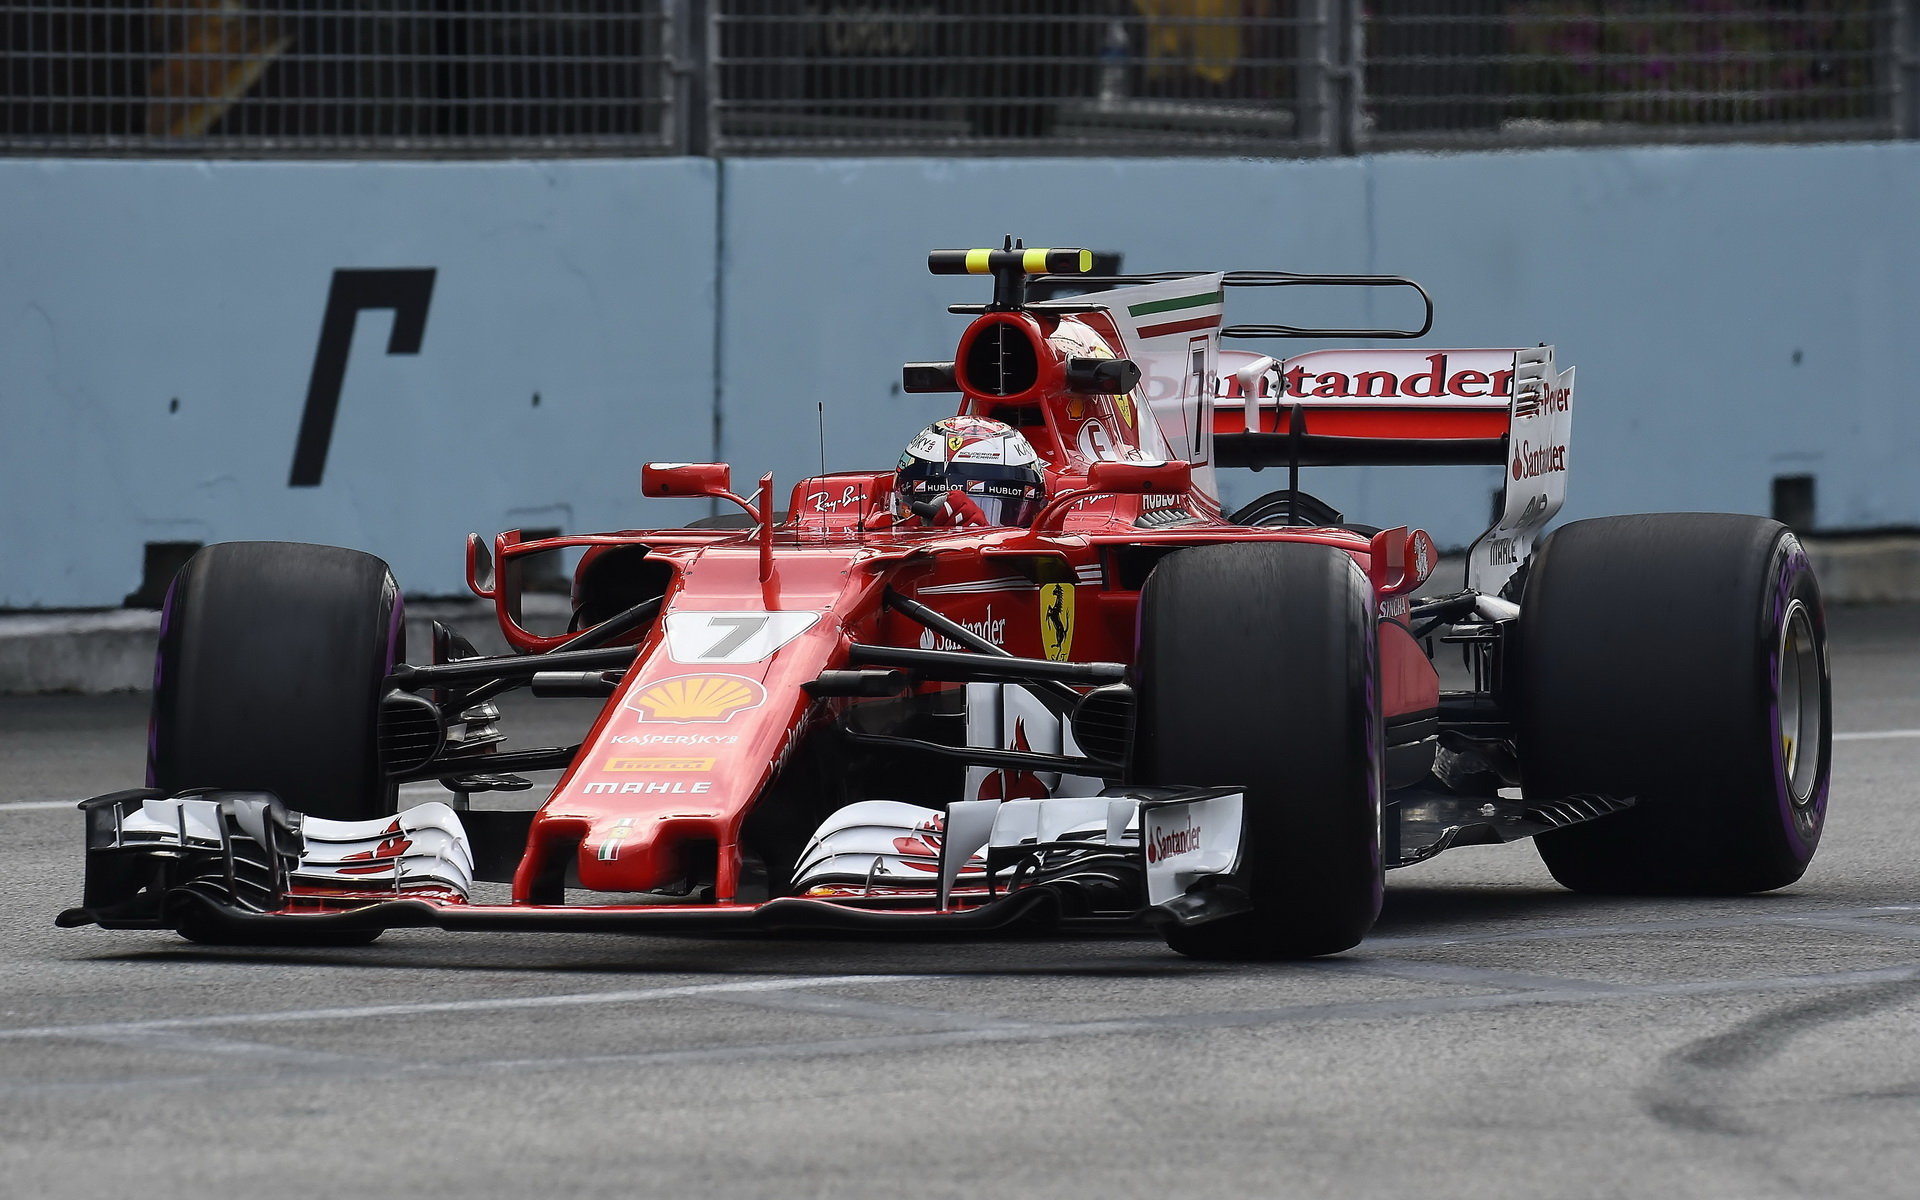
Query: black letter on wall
point(407, 292)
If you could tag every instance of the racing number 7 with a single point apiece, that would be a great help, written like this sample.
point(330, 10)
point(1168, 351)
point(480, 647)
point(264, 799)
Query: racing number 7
point(407, 291)
point(741, 628)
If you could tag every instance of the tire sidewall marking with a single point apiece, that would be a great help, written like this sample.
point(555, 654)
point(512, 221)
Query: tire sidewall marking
point(1789, 567)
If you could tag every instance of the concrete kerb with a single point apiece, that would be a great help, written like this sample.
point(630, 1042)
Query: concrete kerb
point(1875, 570)
point(113, 651)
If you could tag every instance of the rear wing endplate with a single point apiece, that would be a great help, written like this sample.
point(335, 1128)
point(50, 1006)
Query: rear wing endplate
point(1412, 407)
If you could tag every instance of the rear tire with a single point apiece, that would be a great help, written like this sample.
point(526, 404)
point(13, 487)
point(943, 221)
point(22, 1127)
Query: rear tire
point(273, 657)
point(1680, 659)
point(1258, 670)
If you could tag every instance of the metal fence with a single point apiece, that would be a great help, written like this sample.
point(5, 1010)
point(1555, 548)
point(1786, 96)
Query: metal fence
point(1530, 71)
point(1273, 77)
point(1011, 75)
point(337, 76)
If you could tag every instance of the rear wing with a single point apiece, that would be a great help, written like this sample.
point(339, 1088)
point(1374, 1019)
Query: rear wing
point(1392, 407)
point(1214, 407)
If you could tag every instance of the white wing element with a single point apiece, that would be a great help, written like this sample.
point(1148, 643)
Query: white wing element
point(884, 841)
point(1536, 478)
point(1189, 840)
point(424, 848)
point(894, 844)
point(1006, 716)
point(1181, 839)
point(187, 823)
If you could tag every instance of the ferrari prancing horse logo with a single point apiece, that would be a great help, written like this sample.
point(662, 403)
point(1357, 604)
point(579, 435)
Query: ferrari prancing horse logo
point(1056, 620)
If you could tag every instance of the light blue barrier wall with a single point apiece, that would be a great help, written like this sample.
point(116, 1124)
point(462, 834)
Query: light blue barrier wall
point(127, 286)
point(1735, 313)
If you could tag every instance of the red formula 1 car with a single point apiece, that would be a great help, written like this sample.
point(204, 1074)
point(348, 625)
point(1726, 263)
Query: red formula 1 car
point(890, 708)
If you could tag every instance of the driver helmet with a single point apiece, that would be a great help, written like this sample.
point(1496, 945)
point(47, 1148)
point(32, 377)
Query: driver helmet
point(969, 471)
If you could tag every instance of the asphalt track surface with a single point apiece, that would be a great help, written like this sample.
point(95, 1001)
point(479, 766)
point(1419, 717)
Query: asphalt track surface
point(1496, 1037)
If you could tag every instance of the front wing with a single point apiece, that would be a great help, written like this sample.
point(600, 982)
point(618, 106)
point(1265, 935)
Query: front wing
point(244, 865)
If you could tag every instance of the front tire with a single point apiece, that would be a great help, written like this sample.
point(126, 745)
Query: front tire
point(273, 658)
point(1258, 670)
point(1679, 659)
point(272, 662)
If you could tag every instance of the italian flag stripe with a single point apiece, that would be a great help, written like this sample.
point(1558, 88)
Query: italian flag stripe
point(1177, 302)
point(1186, 326)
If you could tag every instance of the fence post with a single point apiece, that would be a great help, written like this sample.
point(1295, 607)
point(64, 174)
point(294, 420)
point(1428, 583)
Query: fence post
point(1347, 62)
point(1906, 72)
point(1312, 67)
point(692, 73)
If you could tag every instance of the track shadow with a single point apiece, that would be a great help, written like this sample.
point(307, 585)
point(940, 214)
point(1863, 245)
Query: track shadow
point(1439, 909)
point(1138, 954)
point(1111, 952)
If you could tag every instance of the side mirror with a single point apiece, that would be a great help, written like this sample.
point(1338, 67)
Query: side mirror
point(928, 377)
point(1400, 560)
point(1136, 479)
point(686, 479)
point(479, 567)
point(1122, 479)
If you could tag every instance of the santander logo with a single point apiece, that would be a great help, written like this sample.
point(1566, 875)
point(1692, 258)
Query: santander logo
point(1399, 378)
point(1530, 460)
point(1378, 376)
point(1164, 842)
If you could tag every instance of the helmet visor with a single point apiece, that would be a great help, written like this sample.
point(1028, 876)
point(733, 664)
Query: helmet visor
point(1001, 495)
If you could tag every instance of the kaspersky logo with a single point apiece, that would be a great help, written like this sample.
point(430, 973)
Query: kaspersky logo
point(696, 698)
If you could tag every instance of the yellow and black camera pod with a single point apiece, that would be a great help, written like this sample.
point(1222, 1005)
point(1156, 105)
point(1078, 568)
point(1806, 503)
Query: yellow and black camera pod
point(1010, 267)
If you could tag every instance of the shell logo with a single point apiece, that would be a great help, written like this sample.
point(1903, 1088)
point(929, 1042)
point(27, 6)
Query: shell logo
point(690, 698)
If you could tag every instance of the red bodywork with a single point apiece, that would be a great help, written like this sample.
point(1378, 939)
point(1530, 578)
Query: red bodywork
point(685, 749)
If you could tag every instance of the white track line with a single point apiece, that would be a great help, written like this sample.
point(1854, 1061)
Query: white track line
point(413, 791)
point(502, 1004)
point(1876, 735)
point(1364, 963)
point(1418, 1006)
point(218, 1048)
point(935, 1039)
